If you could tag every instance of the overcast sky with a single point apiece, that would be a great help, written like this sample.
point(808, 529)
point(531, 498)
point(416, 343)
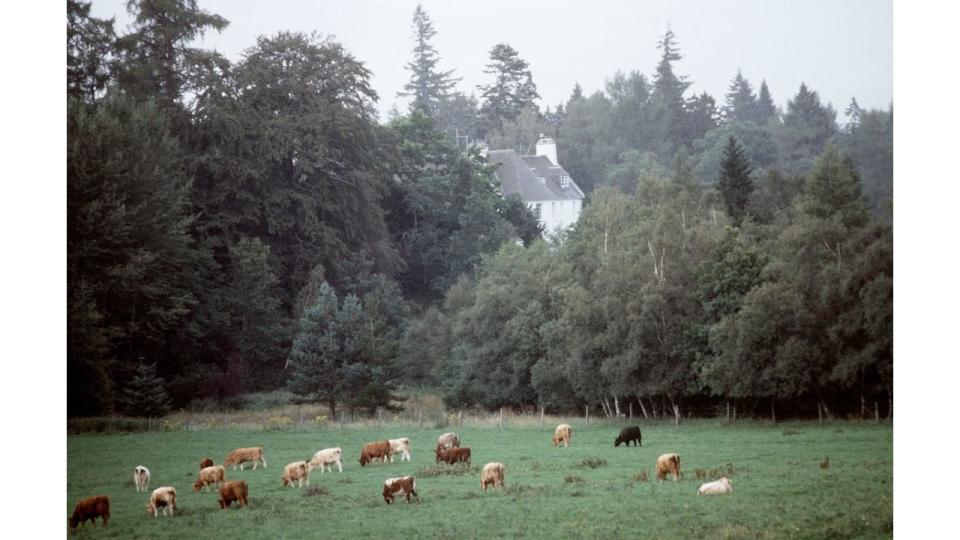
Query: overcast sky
point(840, 49)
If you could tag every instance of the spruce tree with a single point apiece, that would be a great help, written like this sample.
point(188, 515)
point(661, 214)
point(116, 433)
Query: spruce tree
point(428, 86)
point(735, 184)
point(766, 110)
point(741, 104)
point(144, 395)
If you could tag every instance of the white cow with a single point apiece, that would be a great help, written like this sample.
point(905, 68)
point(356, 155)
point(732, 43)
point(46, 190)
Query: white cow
point(326, 458)
point(398, 446)
point(715, 488)
point(141, 478)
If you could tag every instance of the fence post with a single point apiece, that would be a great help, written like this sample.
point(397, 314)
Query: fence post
point(586, 412)
point(301, 416)
point(541, 416)
point(419, 418)
point(631, 410)
point(341, 418)
point(460, 419)
point(500, 423)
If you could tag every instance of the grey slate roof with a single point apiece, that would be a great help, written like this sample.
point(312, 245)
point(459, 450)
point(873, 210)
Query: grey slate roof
point(533, 178)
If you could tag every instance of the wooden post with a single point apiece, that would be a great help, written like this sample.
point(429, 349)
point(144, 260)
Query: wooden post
point(500, 422)
point(728, 412)
point(819, 412)
point(341, 418)
point(419, 417)
point(734, 412)
point(541, 416)
point(586, 412)
point(876, 412)
point(863, 406)
point(301, 416)
point(460, 418)
point(631, 410)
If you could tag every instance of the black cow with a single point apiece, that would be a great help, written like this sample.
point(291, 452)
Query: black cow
point(628, 434)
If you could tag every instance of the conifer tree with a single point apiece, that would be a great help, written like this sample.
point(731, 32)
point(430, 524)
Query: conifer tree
point(512, 88)
point(428, 86)
point(741, 104)
point(735, 184)
point(144, 395)
point(766, 109)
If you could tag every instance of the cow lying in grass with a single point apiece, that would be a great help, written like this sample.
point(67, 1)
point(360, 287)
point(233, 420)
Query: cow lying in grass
point(399, 487)
point(715, 488)
point(162, 497)
point(91, 508)
point(243, 455)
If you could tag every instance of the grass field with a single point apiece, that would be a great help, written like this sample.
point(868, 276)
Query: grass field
point(587, 490)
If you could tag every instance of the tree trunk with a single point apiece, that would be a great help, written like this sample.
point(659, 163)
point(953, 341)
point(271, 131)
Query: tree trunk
point(863, 406)
point(890, 406)
point(734, 411)
point(616, 405)
point(826, 410)
point(500, 421)
point(773, 410)
point(876, 412)
point(541, 416)
point(586, 413)
point(819, 413)
point(643, 410)
point(332, 405)
point(631, 410)
point(676, 410)
point(728, 411)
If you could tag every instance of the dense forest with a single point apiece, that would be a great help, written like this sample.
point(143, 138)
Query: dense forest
point(252, 225)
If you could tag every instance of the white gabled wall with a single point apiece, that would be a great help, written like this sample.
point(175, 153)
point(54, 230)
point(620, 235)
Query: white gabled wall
point(557, 214)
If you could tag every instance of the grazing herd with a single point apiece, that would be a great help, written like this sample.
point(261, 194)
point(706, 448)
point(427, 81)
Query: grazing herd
point(448, 450)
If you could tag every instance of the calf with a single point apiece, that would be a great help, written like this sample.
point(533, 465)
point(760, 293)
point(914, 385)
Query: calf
point(326, 458)
point(295, 472)
point(235, 490)
point(162, 497)
point(454, 455)
point(394, 487)
point(209, 475)
point(668, 463)
point(91, 508)
point(628, 434)
point(374, 450)
point(206, 462)
point(492, 475)
point(243, 455)
point(715, 488)
point(141, 478)
point(400, 446)
point(562, 434)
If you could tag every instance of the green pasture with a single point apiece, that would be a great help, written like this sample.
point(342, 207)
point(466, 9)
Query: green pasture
point(590, 489)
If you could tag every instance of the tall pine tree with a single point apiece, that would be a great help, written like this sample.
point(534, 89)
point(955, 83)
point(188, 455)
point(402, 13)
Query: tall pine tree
point(428, 86)
point(741, 104)
point(735, 184)
point(511, 90)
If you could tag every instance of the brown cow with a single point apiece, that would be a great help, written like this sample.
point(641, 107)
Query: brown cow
point(235, 490)
point(668, 463)
point(91, 508)
point(162, 497)
point(243, 455)
point(374, 450)
point(562, 434)
point(492, 474)
point(295, 472)
point(209, 475)
point(454, 455)
point(394, 487)
point(207, 462)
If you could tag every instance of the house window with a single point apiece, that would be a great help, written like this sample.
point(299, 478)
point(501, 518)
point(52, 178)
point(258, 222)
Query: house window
point(563, 182)
point(536, 210)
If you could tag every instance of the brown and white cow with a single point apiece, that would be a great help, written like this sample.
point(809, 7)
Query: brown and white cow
point(492, 475)
point(715, 488)
point(400, 446)
point(454, 455)
point(668, 464)
point(235, 490)
point(375, 450)
point(399, 487)
point(141, 478)
point(91, 508)
point(325, 459)
point(243, 455)
point(162, 497)
point(562, 434)
point(209, 475)
point(295, 472)
point(206, 462)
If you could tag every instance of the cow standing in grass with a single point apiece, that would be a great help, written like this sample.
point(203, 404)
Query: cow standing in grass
point(243, 455)
point(446, 442)
point(141, 478)
point(454, 455)
point(209, 475)
point(235, 490)
point(562, 434)
point(668, 464)
point(400, 446)
point(628, 434)
point(91, 508)
point(375, 450)
point(295, 472)
point(206, 462)
point(325, 459)
point(162, 497)
point(492, 475)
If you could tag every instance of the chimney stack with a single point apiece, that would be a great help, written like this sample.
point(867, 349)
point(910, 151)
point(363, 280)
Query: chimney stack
point(546, 147)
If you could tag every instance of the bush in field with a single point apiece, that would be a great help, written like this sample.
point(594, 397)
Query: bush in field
point(144, 395)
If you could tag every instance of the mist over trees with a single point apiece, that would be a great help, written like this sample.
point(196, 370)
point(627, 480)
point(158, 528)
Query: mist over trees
point(251, 225)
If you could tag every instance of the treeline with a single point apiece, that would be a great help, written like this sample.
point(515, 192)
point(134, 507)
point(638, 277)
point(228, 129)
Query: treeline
point(250, 225)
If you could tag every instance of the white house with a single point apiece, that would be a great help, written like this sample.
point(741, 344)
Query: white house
point(541, 183)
